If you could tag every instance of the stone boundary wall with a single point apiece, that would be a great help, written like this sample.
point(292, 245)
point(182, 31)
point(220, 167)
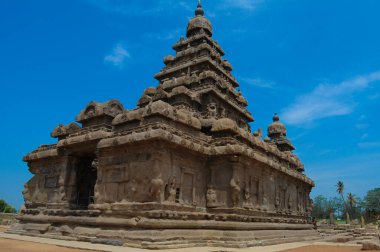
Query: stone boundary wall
point(7, 219)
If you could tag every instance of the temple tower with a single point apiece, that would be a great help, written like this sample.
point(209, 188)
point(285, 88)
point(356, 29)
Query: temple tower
point(181, 169)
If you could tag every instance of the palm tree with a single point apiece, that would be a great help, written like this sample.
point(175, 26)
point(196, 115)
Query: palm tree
point(351, 199)
point(340, 190)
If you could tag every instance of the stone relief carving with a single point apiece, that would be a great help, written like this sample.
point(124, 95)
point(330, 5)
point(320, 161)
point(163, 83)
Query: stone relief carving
point(155, 189)
point(247, 193)
point(290, 200)
point(211, 197)
point(277, 202)
point(171, 190)
point(26, 194)
point(265, 206)
point(211, 110)
point(235, 191)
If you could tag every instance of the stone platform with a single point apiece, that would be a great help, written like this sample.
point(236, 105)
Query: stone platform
point(87, 246)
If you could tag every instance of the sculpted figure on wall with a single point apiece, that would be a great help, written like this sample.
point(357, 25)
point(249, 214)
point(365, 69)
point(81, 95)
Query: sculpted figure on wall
point(235, 191)
point(265, 206)
point(300, 207)
point(277, 201)
point(132, 189)
point(171, 191)
point(247, 194)
point(39, 195)
point(268, 190)
point(290, 200)
point(98, 193)
point(211, 196)
point(156, 185)
point(211, 109)
point(59, 195)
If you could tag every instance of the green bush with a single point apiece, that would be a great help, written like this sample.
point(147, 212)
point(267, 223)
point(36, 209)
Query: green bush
point(5, 208)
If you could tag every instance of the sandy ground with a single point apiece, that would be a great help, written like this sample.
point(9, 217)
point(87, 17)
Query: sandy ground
point(21, 246)
point(317, 248)
point(7, 245)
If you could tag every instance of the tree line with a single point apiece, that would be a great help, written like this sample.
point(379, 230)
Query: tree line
point(6, 208)
point(348, 207)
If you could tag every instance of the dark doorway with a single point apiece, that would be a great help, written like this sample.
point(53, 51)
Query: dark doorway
point(86, 180)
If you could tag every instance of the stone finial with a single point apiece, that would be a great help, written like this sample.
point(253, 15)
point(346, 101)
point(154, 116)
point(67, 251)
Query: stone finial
point(276, 118)
point(199, 23)
point(199, 11)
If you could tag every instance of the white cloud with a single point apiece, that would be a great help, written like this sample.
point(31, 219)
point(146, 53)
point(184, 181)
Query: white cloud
point(118, 56)
point(362, 126)
point(138, 7)
point(186, 5)
point(169, 35)
point(369, 145)
point(374, 97)
point(327, 100)
point(362, 117)
point(257, 82)
point(364, 136)
point(169, 7)
point(241, 4)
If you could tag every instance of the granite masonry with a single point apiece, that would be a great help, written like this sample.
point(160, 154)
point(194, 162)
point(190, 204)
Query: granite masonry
point(181, 169)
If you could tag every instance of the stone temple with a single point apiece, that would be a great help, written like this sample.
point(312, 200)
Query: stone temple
point(181, 169)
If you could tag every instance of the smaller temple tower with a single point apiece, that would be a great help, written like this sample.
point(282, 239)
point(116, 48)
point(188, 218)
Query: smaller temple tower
point(277, 135)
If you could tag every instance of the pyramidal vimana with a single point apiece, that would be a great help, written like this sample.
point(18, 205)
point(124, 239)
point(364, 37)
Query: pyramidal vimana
point(181, 169)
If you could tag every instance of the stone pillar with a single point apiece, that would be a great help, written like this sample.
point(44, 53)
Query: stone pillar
point(332, 219)
point(156, 183)
point(236, 181)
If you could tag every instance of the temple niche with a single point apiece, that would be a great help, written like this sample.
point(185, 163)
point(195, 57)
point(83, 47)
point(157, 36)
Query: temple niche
point(183, 160)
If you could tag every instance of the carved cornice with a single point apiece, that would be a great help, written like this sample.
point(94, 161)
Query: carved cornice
point(170, 71)
point(177, 46)
point(94, 109)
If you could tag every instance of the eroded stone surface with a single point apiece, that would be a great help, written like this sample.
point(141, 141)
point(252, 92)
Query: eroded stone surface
point(184, 161)
point(371, 245)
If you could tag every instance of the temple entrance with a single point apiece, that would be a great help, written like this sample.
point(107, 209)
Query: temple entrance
point(85, 180)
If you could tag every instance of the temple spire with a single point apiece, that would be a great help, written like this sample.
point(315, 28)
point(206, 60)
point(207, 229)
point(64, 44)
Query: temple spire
point(199, 11)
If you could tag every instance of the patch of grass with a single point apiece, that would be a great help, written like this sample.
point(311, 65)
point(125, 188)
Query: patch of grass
point(340, 222)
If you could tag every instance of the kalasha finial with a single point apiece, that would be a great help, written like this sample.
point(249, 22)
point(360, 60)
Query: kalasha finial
point(276, 118)
point(199, 11)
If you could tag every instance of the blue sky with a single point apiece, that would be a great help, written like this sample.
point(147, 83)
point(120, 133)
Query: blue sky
point(316, 62)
